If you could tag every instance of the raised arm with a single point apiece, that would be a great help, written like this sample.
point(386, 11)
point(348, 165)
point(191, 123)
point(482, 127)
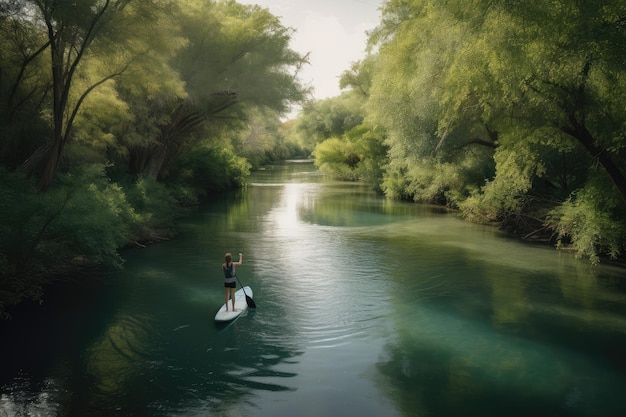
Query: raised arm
point(240, 261)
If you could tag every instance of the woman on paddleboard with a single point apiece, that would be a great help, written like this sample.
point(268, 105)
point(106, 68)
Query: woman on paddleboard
point(230, 278)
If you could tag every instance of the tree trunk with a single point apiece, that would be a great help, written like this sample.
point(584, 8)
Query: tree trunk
point(580, 132)
point(138, 158)
point(59, 87)
point(155, 162)
point(68, 45)
point(52, 157)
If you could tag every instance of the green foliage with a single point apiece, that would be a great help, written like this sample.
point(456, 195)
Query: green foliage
point(395, 183)
point(131, 94)
point(154, 208)
point(237, 54)
point(587, 222)
point(503, 110)
point(517, 167)
point(23, 88)
point(337, 158)
point(359, 76)
point(264, 140)
point(370, 146)
point(17, 206)
point(92, 215)
point(211, 169)
point(358, 155)
point(235, 63)
point(81, 221)
point(178, 108)
point(345, 147)
point(328, 118)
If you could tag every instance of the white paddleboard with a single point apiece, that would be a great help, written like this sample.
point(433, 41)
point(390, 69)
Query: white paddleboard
point(240, 306)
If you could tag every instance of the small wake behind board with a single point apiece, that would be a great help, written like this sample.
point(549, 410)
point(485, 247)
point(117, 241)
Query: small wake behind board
point(223, 316)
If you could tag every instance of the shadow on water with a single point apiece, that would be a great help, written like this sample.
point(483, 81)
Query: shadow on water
point(496, 336)
point(172, 361)
point(145, 344)
point(458, 372)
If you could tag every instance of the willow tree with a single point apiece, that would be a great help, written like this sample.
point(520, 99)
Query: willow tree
point(328, 118)
point(237, 58)
point(547, 76)
point(73, 33)
point(536, 87)
point(416, 43)
point(24, 85)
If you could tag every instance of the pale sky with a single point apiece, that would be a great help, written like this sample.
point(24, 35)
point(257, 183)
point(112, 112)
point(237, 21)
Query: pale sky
point(333, 31)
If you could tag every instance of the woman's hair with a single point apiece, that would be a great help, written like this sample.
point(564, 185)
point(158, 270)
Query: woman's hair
point(228, 258)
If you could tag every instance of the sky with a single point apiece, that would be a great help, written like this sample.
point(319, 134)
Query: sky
point(333, 31)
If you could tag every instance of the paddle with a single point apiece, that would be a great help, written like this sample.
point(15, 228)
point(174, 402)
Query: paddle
point(249, 300)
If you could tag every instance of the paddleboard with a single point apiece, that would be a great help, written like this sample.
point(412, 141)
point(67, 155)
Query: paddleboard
point(240, 306)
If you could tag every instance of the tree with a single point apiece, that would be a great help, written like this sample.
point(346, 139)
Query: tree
point(74, 33)
point(414, 42)
point(546, 70)
point(24, 86)
point(332, 117)
point(237, 58)
point(526, 94)
point(359, 76)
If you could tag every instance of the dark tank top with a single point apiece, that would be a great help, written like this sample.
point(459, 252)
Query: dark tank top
point(229, 274)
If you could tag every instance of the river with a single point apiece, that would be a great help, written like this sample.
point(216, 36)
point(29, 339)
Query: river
point(365, 307)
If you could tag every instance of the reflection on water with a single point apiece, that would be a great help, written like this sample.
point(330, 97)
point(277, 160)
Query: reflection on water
point(460, 367)
point(365, 306)
point(26, 398)
point(119, 359)
point(509, 336)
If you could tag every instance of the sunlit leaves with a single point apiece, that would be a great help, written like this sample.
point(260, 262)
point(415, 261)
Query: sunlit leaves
point(328, 118)
point(157, 87)
point(359, 77)
point(239, 49)
point(586, 224)
point(337, 158)
point(207, 169)
point(536, 85)
point(235, 62)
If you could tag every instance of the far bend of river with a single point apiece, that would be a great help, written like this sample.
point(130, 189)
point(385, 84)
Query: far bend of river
point(365, 307)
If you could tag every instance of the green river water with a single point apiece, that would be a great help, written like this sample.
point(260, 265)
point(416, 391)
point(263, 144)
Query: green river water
point(365, 307)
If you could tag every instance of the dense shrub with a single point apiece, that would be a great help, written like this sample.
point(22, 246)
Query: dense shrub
point(82, 220)
point(588, 222)
point(155, 210)
point(210, 169)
